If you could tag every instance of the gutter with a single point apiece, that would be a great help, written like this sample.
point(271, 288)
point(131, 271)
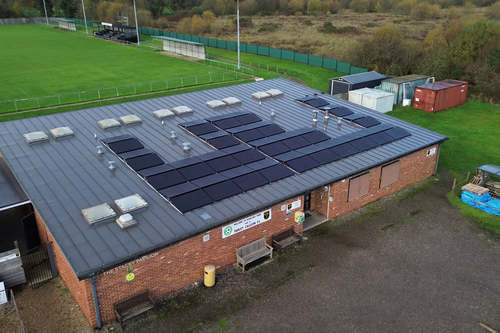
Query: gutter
point(96, 303)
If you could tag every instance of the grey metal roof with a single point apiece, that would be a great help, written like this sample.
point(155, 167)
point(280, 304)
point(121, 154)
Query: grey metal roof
point(10, 191)
point(490, 168)
point(65, 176)
point(362, 77)
point(178, 40)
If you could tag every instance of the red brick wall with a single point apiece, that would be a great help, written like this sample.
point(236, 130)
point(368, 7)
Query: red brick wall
point(80, 290)
point(414, 168)
point(181, 264)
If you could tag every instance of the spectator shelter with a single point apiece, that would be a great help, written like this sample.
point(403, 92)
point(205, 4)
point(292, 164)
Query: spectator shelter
point(65, 24)
point(184, 47)
point(115, 32)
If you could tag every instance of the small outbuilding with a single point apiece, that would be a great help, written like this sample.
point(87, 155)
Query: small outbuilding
point(404, 86)
point(344, 84)
point(442, 95)
point(65, 24)
point(184, 47)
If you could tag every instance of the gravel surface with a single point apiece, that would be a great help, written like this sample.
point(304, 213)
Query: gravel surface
point(407, 263)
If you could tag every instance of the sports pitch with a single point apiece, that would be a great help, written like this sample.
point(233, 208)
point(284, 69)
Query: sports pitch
point(39, 61)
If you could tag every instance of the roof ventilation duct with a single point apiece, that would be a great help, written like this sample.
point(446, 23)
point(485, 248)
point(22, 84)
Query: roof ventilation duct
point(186, 146)
point(112, 165)
point(99, 150)
point(126, 221)
point(173, 135)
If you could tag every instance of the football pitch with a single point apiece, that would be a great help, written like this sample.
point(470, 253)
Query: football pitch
point(39, 61)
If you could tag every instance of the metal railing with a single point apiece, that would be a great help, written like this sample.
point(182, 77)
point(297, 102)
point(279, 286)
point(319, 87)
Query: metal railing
point(225, 65)
point(115, 92)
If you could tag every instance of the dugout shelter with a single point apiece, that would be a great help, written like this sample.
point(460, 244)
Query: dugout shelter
point(115, 32)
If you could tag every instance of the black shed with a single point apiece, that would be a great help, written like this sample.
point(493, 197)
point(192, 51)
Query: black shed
point(344, 84)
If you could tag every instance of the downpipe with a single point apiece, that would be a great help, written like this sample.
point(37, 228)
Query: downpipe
point(96, 303)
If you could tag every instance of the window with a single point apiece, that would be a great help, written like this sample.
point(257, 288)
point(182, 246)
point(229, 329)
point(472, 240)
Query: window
point(359, 186)
point(389, 174)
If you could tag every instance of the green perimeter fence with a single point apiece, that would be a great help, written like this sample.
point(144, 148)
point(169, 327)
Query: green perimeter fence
point(98, 94)
point(304, 58)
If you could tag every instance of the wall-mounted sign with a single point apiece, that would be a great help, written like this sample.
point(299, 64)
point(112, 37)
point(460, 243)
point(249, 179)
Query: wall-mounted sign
point(247, 223)
point(431, 151)
point(130, 277)
point(294, 205)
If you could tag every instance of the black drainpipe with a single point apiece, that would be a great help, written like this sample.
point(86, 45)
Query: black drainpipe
point(96, 303)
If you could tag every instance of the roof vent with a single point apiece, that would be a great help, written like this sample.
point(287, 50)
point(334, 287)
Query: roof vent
point(98, 213)
point(215, 104)
point(35, 137)
point(275, 92)
point(112, 165)
point(230, 101)
point(131, 119)
point(61, 132)
point(126, 221)
point(173, 135)
point(108, 123)
point(260, 95)
point(131, 203)
point(99, 150)
point(186, 146)
point(164, 113)
point(182, 110)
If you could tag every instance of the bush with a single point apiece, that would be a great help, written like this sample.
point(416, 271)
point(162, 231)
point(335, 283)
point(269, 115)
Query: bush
point(328, 28)
point(161, 23)
point(314, 6)
point(265, 13)
point(424, 11)
point(453, 13)
point(360, 6)
point(307, 23)
point(268, 28)
point(245, 22)
point(297, 5)
point(493, 12)
point(405, 7)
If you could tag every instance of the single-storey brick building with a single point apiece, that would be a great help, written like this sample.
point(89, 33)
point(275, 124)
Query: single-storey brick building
point(201, 174)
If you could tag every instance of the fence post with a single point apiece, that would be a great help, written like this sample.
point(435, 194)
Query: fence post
point(15, 103)
point(226, 67)
point(167, 83)
point(151, 86)
point(210, 78)
point(135, 91)
point(59, 97)
point(196, 80)
point(99, 93)
point(79, 97)
point(223, 77)
point(38, 102)
point(117, 94)
point(182, 83)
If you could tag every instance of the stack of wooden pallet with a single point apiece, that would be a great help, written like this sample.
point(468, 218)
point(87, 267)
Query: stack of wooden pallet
point(475, 189)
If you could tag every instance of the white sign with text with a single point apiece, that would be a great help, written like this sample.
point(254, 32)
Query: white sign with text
point(247, 223)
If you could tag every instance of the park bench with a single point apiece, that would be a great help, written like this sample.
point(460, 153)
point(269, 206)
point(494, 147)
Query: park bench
point(133, 306)
point(253, 251)
point(284, 239)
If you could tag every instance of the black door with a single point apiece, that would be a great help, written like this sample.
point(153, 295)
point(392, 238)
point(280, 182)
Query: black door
point(31, 231)
point(307, 201)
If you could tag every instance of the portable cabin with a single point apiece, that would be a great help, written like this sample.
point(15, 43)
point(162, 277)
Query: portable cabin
point(344, 84)
point(356, 96)
point(442, 95)
point(381, 101)
point(403, 87)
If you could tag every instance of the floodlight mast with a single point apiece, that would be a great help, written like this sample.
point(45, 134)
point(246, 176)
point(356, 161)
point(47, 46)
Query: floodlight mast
point(46, 17)
point(238, 24)
point(85, 18)
point(136, 26)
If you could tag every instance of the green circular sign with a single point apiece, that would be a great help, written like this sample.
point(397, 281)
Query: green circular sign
point(228, 231)
point(130, 276)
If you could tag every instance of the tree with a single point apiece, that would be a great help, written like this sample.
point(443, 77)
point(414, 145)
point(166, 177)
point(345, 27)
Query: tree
point(18, 9)
point(314, 6)
point(360, 6)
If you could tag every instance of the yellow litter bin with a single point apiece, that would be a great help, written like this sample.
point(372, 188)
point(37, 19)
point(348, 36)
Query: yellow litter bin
point(209, 275)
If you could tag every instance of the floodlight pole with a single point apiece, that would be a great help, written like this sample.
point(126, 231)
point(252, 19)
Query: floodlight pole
point(136, 26)
point(85, 17)
point(238, 24)
point(46, 17)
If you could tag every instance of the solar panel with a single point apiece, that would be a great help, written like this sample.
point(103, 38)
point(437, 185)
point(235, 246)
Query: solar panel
point(367, 121)
point(125, 146)
point(304, 99)
point(192, 200)
point(315, 137)
point(276, 172)
point(212, 135)
point(144, 162)
point(211, 156)
point(155, 170)
point(311, 149)
point(327, 144)
point(250, 181)
point(250, 135)
point(380, 138)
point(226, 116)
point(261, 142)
point(185, 162)
point(192, 123)
point(165, 179)
point(341, 111)
point(248, 118)
point(272, 129)
point(296, 142)
point(224, 142)
point(227, 123)
point(363, 144)
point(248, 156)
point(344, 150)
point(222, 190)
point(262, 164)
point(329, 107)
point(353, 116)
point(135, 153)
point(325, 156)
point(196, 171)
point(202, 129)
point(317, 102)
point(209, 180)
point(247, 127)
point(274, 149)
point(291, 155)
point(397, 133)
point(236, 172)
point(176, 190)
point(302, 164)
point(223, 163)
point(235, 149)
point(118, 138)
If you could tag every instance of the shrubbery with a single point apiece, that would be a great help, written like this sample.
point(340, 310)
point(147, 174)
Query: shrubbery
point(493, 12)
point(425, 11)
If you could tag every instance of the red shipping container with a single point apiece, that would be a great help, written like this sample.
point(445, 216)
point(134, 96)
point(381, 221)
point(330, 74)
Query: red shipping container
point(441, 95)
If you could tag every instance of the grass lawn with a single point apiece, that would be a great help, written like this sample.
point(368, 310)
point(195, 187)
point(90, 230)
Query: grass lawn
point(314, 77)
point(39, 61)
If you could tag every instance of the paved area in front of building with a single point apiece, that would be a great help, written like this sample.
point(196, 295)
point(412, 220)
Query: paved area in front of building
point(409, 263)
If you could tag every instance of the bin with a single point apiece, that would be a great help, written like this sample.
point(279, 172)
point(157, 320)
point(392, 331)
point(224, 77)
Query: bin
point(209, 276)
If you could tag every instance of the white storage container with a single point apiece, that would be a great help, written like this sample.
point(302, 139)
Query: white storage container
point(380, 101)
point(356, 96)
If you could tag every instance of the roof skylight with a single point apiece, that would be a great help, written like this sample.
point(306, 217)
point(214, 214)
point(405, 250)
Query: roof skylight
point(131, 203)
point(108, 123)
point(35, 137)
point(98, 213)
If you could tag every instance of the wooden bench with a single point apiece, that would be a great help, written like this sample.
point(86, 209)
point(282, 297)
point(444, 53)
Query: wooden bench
point(284, 239)
point(133, 306)
point(253, 251)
